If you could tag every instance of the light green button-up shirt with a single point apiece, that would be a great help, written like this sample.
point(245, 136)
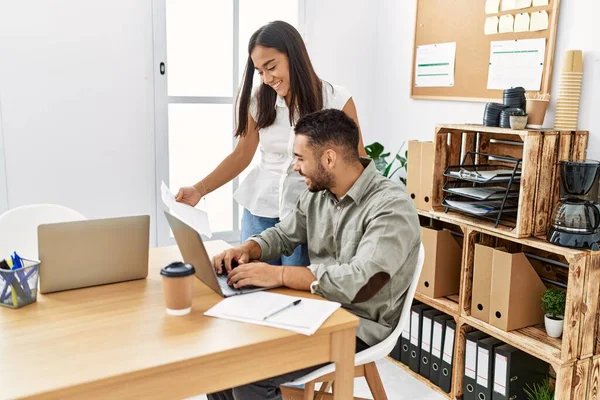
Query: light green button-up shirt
point(363, 248)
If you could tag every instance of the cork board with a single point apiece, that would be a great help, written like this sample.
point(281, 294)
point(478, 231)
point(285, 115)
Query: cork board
point(462, 21)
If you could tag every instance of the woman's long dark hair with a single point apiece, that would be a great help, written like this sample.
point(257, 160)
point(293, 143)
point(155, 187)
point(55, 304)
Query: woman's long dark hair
point(305, 85)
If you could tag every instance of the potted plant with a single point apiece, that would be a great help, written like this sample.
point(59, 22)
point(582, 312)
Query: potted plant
point(518, 119)
point(553, 304)
point(539, 391)
point(375, 151)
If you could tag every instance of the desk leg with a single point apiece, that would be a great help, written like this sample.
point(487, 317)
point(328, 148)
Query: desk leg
point(343, 347)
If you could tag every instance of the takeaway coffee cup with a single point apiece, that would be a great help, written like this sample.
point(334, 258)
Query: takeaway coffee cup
point(178, 280)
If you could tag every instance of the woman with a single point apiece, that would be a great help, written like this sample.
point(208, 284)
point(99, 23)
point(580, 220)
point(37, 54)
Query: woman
point(266, 116)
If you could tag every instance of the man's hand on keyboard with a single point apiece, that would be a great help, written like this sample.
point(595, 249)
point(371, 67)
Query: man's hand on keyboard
point(247, 252)
point(256, 274)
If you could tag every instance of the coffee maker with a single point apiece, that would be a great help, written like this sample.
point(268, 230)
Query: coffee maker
point(576, 219)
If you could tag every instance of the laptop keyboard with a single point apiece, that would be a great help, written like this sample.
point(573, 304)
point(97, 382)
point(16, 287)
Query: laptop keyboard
point(230, 290)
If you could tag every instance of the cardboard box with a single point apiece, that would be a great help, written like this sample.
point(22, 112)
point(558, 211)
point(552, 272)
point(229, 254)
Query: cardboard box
point(441, 270)
point(482, 279)
point(424, 201)
point(413, 175)
point(419, 177)
point(515, 297)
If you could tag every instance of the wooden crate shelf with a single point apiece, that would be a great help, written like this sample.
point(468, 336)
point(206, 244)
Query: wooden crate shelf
point(540, 151)
point(590, 322)
point(573, 359)
point(420, 378)
point(532, 340)
point(552, 350)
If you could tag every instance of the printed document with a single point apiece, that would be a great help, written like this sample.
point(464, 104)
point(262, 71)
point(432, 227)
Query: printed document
point(515, 63)
point(192, 216)
point(435, 65)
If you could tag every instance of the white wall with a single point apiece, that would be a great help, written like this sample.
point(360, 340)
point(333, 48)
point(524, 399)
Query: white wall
point(367, 46)
point(341, 39)
point(399, 118)
point(76, 93)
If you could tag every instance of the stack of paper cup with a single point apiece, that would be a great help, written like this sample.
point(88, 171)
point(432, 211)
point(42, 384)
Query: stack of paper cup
point(571, 78)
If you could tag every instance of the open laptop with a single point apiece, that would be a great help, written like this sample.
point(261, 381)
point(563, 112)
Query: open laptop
point(93, 252)
point(193, 252)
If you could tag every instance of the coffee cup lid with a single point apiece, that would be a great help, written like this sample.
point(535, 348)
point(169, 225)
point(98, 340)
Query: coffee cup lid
point(177, 269)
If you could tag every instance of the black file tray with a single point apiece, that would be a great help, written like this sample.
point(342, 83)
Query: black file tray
point(471, 174)
point(495, 191)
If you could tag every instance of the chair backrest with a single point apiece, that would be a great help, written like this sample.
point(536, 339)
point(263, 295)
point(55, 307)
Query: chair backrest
point(384, 348)
point(19, 226)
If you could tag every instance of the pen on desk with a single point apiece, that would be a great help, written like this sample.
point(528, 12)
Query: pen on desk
point(295, 303)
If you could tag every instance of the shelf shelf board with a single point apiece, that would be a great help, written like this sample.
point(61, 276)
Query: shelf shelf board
point(420, 378)
point(449, 304)
point(532, 340)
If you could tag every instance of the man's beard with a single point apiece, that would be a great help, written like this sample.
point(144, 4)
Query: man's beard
point(322, 180)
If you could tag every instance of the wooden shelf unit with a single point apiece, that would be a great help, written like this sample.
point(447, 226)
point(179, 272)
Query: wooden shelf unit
point(576, 375)
point(540, 151)
point(574, 277)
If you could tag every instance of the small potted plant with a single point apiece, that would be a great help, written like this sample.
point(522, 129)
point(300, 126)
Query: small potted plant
point(518, 119)
point(539, 391)
point(553, 304)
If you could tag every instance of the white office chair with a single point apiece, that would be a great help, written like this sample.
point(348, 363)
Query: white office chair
point(19, 226)
point(365, 359)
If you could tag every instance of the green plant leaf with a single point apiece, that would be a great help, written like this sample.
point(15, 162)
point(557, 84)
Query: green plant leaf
point(374, 150)
point(553, 302)
point(387, 170)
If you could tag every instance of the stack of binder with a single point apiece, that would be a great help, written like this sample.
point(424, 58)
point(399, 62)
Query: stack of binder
point(427, 345)
point(495, 370)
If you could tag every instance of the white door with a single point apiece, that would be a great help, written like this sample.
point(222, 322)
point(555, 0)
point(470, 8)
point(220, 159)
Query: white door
point(201, 50)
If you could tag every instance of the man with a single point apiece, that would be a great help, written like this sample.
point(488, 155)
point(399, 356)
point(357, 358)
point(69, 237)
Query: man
point(361, 229)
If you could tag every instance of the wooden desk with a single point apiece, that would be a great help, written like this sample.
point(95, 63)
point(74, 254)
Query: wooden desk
point(116, 341)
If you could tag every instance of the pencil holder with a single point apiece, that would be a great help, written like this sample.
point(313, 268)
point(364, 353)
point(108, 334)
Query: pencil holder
point(18, 287)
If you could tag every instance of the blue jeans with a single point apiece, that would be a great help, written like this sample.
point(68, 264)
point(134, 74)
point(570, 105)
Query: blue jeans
point(253, 225)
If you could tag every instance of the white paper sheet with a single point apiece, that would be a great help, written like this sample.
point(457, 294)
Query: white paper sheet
point(448, 345)
point(426, 340)
point(435, 65)
point(304, 318)
point(414, 328)
point(508, 5)
point(483, 356)
point(539, 21)
point(507, 24)
point(194, 217)
point(523, 4)
point(406, 331)
point(492, 6)
point(491, 26)
point(500, 366)
point(470, 359)
point(522, 22)
point(539, 3)
point(516, 63)
point(436, 343)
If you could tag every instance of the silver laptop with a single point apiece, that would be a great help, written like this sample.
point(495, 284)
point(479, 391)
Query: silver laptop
point(193, 252)
point(93, 252)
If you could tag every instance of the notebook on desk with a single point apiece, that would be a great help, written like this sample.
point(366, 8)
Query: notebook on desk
point(261, 308)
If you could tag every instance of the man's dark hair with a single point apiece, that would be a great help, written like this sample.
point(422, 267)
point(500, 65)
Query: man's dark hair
point(330, 127)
